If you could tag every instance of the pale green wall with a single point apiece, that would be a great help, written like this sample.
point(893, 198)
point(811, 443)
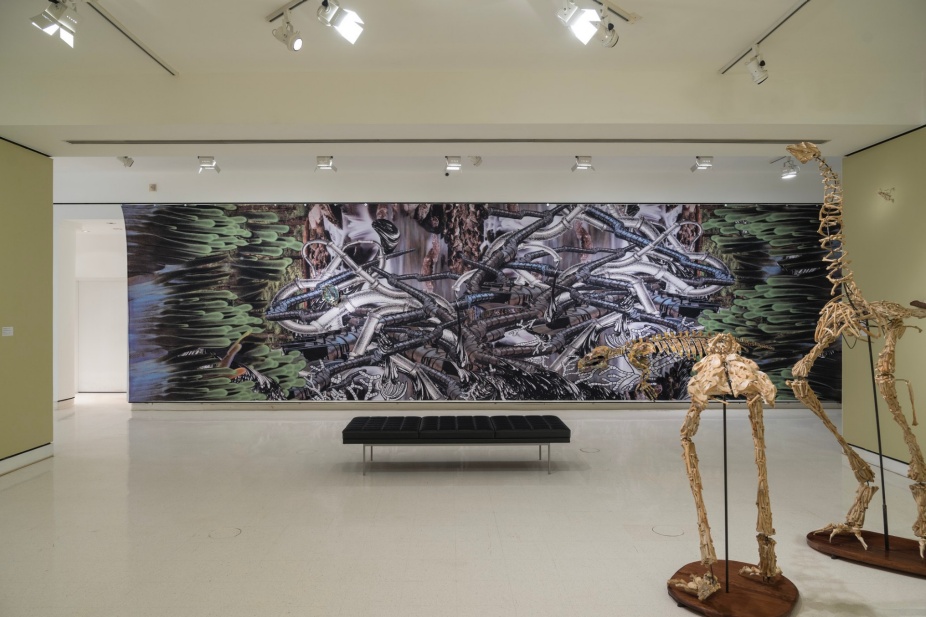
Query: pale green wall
point(887, 248)
point(25, 299)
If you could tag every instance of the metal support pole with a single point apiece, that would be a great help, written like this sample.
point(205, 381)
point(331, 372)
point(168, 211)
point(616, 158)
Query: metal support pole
point(549, 469)
point(364, 459)
point(539, 452)
point(874, 387)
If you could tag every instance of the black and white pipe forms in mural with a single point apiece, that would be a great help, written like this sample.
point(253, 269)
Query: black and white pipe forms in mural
point(469, 302)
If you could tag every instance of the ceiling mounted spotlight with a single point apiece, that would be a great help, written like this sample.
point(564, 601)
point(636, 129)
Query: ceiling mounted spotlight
point(607, 35)
point(702, 163)
point(756, 66)
point(583, 163)
point(454, 164)
point(789, 169)
point(127, 161)
point(346, 22)
point(325, 163)
point(60, 16)
point(582, 22)
point(288, 35)
point(207, 163)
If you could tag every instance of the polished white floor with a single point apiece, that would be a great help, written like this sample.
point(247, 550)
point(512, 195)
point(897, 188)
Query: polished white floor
point(272, 518)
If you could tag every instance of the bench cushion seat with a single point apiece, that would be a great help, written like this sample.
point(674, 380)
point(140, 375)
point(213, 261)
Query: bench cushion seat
point(458, 429)
point(382, 427)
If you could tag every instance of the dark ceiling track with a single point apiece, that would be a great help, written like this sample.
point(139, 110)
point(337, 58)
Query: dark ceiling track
point(791, 12)
point(884, 141)
point(16, 143)
point(115, 24)
point(250, 142)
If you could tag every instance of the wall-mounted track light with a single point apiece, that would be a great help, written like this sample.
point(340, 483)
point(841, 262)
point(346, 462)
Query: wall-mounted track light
point(127, 161)
point(325, 163)
point(453, 164)
point(59, 17)
point(288, 35)
point(346, 22)
point(756, 66)
point(790, 169)
point(583, 163)
point(702, 163)
point(207, 163)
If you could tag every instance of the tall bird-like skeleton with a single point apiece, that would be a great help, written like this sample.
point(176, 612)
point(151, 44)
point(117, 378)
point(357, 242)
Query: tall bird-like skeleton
point(848, 313)
point(721, 371)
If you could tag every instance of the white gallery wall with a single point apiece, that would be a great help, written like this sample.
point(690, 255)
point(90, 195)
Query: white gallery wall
point(88, 194)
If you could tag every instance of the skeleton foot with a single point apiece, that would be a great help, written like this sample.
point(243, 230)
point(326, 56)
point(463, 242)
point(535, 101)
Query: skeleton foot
point(757, 571)
point(839, 529)
point(701, 586)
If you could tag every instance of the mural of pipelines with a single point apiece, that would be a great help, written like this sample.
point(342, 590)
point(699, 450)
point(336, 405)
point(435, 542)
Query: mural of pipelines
point(500, 306)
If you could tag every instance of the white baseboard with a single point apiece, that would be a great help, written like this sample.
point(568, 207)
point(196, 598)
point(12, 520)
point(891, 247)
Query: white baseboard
point(26, 458)
point(890, 464)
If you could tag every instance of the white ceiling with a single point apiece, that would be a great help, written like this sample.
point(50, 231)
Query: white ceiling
point(848, 71)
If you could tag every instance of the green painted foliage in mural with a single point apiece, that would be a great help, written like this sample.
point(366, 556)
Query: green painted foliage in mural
point(773, 253)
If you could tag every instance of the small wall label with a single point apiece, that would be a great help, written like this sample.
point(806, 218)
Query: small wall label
point(6, 331)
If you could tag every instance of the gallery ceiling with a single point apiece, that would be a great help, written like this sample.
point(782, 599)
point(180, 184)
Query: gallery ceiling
point(487, 77)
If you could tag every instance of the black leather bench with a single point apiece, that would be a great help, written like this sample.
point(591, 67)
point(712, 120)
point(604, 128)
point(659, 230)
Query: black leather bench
point(370, 431)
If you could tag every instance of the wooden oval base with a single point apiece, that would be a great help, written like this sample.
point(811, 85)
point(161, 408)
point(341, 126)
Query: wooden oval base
point(748, 596)
point(904, 555)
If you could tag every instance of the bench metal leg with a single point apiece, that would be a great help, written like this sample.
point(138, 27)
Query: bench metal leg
point(364, 459)
point(371, 453)
point(549, 469)
point(539, 452)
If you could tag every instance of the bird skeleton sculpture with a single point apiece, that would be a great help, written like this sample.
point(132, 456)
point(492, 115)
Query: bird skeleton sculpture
point(722, 371)
point(685, 345)
point(849, 314)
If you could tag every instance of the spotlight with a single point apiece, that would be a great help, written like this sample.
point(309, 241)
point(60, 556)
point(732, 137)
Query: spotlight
point(325, 163)
point(207, 163)
point(789, 169)
point(288, 35)
point(583, 163)
point(127, 161)
point(606, 34)
point(756, 66)
point(454, 164)
point(346, 22)
point(60, 17)
point(702, 163)
point(582, 22)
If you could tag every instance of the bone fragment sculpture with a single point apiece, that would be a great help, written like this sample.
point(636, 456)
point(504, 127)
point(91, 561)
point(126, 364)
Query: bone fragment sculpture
point(720, 371)
point(688, 345)
point(848, 313)
point(724, 372)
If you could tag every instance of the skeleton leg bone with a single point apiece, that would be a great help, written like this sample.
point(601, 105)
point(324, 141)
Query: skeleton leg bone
point(888, 389)
point(768, 563)
point(701, 586)
point(863, 472)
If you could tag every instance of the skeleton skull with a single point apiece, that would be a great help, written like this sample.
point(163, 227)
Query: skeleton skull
point(804, 151)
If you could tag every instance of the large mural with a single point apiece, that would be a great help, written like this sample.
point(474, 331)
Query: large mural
point(468, 302)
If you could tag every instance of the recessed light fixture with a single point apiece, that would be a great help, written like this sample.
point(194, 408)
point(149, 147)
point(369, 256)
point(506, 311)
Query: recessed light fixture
point(288, 35)
point(60, 17)
point(789, 169)
point(583, 163)
point(207, 163)
point(702, 163)
point(325, 163)
point(756, 66)
point(127, 161)
point(453, 164)
point(346, 22)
